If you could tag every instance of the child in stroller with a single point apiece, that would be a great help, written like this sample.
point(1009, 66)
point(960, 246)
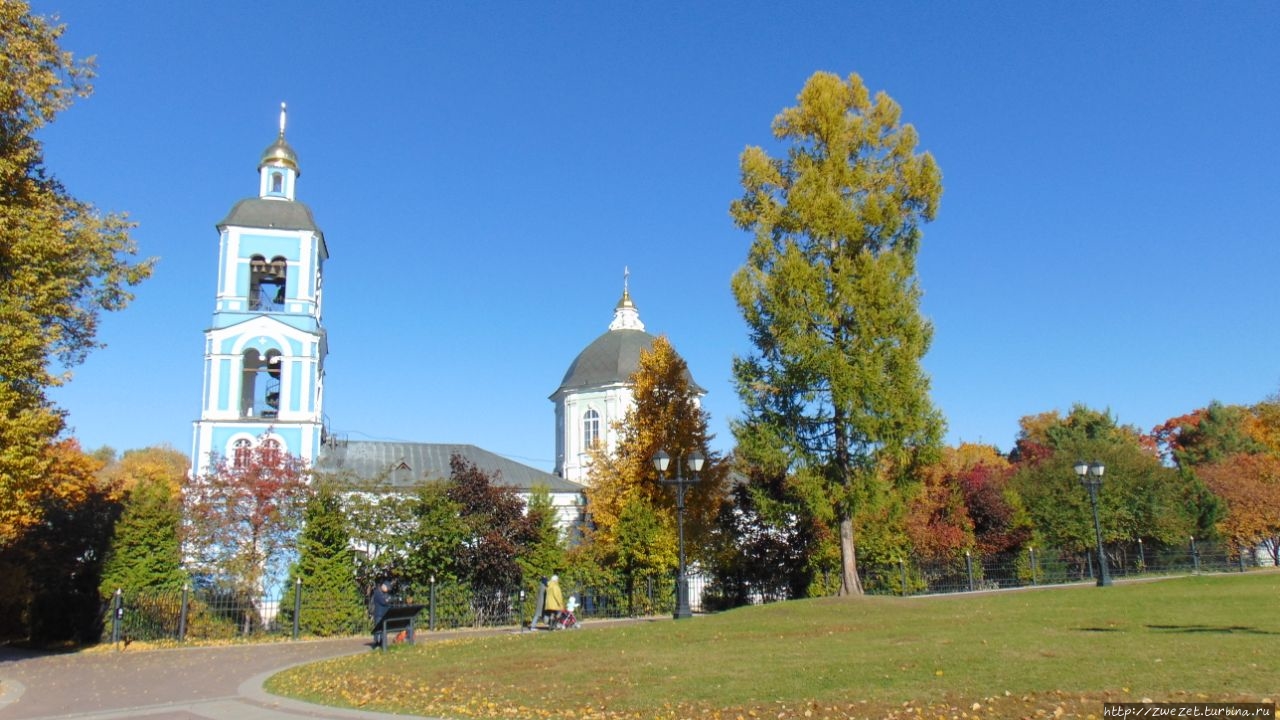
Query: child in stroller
point(565, 619)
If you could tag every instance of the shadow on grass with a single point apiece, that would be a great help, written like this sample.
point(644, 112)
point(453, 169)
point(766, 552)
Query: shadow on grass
point(1217, 629)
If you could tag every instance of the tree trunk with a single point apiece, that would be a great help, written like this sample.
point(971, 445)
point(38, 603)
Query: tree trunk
point(850, 583)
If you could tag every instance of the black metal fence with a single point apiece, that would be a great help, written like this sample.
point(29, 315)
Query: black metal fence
point(1047, 567)
point(197, 614)
point(219, 614)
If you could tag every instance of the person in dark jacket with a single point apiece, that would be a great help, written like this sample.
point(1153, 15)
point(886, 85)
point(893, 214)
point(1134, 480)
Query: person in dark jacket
point(538, 603)
point(381, 603)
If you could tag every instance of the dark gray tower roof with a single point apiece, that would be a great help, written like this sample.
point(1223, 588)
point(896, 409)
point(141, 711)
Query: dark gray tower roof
point(269, 213)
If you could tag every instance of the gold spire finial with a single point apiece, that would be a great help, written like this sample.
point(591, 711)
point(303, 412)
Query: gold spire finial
point(625, 315)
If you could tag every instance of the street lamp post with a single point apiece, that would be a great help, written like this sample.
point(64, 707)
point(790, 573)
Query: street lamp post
point(661, 461)
point(1090, 475)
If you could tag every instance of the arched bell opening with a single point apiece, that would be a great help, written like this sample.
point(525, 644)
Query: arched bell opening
point(260, 387)
point(267, 283)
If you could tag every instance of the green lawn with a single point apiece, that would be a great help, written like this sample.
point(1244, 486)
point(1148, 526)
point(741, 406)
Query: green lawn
point(1009, 654)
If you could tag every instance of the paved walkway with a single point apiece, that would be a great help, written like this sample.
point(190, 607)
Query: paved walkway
point(217, 683)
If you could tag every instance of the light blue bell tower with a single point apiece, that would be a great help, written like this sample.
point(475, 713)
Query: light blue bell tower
point(264, 351)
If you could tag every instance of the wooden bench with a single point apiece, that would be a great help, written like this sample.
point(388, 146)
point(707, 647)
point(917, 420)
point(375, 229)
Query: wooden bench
point(400, 617)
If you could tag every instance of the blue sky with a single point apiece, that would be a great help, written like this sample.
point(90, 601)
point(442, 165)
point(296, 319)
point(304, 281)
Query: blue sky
point(484, 171)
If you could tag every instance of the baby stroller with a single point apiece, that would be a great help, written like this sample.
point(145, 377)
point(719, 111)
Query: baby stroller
point(565, 619)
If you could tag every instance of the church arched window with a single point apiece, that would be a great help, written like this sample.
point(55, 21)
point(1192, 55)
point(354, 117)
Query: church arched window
point(590, 429)
point(277, 182)
point(270, 451)
point(241, 453)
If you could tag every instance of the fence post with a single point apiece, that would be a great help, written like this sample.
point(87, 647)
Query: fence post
point(1195, 556)
point(1142, 557)
point(968, 566)
point(902, 569)
point(117, 614)
point(1241, 559)
point(182, 613)
point(1088, 556)
point(1032, 552)
point(297, 608)
point(431, 608)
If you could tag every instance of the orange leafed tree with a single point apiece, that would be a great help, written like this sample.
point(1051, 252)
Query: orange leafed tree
point(937, 521)
point(624, 495)
point(49, 575)
point(26, 456)
point(1250, 487)
point(1263, 424)
point(964, 504)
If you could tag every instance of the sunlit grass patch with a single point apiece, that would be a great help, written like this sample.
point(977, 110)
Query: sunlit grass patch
point(1010, 654)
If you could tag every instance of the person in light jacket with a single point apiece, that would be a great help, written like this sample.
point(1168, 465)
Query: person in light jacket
point(554, 604)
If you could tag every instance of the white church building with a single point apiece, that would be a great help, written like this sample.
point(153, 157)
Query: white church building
point(595, 394)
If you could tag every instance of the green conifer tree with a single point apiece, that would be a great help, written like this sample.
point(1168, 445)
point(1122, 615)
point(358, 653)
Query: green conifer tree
point(331, 600)
point(145, 551)
point(545, 554)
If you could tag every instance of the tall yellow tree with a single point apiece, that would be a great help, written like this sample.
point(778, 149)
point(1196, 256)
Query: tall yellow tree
point(633, 515)
point(62, 262)
point(830, 297)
